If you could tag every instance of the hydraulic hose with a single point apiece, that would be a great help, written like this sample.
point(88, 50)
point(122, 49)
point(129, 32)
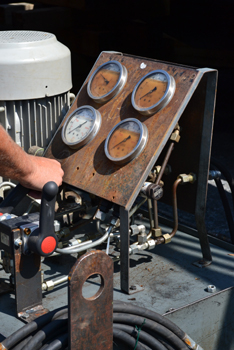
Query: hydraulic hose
point(226, 173)
point(150, 326)
point(127, 339)
point(135, 327)
point(150, 341)
point(228, 213)
point(81, 247)
point(33, 326)
point(122, 307)
point(226, 207)
point(60, 343)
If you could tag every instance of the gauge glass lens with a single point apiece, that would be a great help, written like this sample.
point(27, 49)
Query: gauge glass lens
point(105, 80)
point(151, 90)
point(124, 139)
point(79, 125)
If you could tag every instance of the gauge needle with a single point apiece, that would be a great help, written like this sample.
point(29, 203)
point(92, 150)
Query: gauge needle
point(79, 126)
point(154, 89)
point(127, 138)
point(106, 81)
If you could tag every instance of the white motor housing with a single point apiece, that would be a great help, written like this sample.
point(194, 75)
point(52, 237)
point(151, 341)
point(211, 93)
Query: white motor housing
point(35, 83)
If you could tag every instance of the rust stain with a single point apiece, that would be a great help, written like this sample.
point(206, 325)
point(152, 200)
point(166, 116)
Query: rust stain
point(187, 341)
point(17, 262)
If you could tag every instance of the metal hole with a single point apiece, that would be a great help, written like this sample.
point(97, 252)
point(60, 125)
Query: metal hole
point(93, 286)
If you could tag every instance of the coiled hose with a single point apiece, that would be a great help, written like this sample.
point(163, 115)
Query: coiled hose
point(134, 327)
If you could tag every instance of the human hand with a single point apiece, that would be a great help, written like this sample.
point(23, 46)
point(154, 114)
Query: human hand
point(42, 170)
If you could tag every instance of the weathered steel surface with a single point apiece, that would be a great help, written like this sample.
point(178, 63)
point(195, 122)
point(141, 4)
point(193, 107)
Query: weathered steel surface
point(90, 319)
point(209, 321)
point(27, 276)
point(88, 168)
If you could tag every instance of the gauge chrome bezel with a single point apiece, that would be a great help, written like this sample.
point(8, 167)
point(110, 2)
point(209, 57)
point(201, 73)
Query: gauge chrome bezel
point(137, 149)
point(92, 133)
point(115, 90)
point(171, 85)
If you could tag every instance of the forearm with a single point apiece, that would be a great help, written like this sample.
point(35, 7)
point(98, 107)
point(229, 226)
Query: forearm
point(31, 171)
point(14, 162)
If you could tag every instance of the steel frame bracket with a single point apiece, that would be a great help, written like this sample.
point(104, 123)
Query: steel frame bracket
point(90, 319)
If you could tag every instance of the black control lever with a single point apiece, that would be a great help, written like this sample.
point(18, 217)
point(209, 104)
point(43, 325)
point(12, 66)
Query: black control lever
point(43, 240)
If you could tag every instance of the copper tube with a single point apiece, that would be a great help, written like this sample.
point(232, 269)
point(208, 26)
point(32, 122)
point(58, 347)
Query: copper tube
point(157, 182)
point(175, 210)
point(155, 205)
point(161, 240)
point(149, 201)
point(164, 164)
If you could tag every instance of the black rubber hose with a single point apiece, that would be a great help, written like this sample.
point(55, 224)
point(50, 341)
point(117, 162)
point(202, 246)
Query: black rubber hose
point(52, 336)
point(226, 207)
point(226, 173)
point(144, 337)
point(127, 339)
point(21, 345)
point(60, 343)
point(152, 334)
point(23, 332)
point(41, 335)
point(152, 326)
point(122, 307)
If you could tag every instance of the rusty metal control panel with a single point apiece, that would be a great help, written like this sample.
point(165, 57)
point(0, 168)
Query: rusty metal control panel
point(88, 167)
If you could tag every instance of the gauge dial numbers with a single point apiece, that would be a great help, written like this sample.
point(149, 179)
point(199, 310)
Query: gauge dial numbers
point(81, 127)
point(107, 81)
point(126, 141)
point(153, 92)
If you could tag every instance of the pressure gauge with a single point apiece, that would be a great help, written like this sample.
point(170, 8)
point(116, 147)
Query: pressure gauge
point(126, 141)
point(81, 126)
point(153, 92)
point(107, 81)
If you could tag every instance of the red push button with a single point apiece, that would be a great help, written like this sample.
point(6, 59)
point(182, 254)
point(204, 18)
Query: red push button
point(48, 245)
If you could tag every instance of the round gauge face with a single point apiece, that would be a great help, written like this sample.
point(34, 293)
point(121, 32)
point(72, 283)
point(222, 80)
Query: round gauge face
point(81, 126)
point(107, 81)
point(126, 141)
point(153, 92)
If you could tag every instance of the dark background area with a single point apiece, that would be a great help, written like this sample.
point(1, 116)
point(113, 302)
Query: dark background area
point(194, 33)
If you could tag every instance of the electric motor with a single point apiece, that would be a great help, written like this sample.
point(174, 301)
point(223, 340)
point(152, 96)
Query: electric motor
point(35, 80)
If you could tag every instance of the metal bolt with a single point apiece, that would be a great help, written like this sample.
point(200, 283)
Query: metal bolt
point(133, 288)
point(211, 288)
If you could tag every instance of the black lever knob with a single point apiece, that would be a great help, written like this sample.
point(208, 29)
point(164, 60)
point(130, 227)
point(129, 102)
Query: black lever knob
point(43, 240)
